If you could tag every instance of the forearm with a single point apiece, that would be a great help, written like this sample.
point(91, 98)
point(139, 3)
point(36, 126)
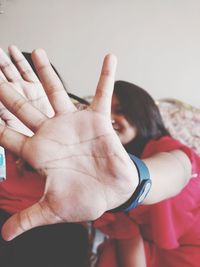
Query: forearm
point(131, 252)
point(170, 172)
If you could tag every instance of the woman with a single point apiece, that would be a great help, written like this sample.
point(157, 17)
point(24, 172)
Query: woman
point(164, 232)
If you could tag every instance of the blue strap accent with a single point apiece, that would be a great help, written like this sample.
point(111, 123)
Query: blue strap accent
point(141, 190)
point(2, 164)
point(143, 172)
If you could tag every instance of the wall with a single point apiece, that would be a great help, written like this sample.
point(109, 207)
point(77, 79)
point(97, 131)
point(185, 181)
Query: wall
point(157, 41)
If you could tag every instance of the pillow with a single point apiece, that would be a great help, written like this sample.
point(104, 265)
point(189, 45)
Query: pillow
point(182, 120)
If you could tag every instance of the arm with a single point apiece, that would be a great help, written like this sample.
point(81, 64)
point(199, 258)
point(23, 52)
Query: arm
point(131, 252)
point(170, 172)
point(87, 169)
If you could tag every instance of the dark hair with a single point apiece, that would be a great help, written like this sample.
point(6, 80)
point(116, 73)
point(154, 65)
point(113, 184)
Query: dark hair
point(27, 55)
point(141, 111)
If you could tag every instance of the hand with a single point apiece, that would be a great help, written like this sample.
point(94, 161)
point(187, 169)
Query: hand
point(22, 78)
point(87, 169)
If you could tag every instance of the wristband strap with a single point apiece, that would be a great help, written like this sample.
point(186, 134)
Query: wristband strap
point(2, 164)
point(141, 190)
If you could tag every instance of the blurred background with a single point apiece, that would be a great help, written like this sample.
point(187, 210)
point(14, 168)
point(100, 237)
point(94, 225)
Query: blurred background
point(157, 42)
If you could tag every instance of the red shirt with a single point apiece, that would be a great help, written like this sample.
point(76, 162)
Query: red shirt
point(171, 228)
point(19, 191)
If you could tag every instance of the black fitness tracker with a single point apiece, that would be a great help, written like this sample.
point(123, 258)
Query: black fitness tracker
point(141, 190)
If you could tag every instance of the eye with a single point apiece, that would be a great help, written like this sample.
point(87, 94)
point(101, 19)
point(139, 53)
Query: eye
point(119, 111)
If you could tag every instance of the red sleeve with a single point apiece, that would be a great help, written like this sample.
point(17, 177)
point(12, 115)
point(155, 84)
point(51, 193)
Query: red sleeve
point(117, 225)
point(172, 222)
point(167, 144)
point(165, 223)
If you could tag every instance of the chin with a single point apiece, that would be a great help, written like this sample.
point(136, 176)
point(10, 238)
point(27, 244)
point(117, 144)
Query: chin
point(122, 141)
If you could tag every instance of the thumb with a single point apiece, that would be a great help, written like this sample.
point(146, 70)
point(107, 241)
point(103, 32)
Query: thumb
point(36, 215)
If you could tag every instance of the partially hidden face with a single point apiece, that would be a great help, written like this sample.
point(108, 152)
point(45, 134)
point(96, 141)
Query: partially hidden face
point(124, 129)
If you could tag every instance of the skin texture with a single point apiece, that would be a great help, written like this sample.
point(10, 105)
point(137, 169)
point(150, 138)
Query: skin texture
point(86, 168)
point(78, 152)
point(22, 79)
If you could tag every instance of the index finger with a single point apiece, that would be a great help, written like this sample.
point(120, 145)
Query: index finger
point(104, 91)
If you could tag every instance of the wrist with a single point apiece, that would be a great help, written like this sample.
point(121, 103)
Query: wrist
point(141, 190)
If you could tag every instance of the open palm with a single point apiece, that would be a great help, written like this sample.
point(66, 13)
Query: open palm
point(87, 169)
